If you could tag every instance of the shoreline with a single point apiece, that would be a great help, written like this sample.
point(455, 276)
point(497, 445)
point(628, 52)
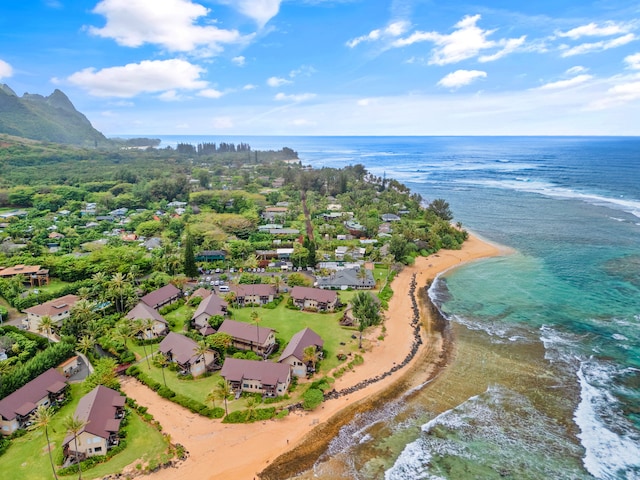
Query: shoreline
point(282, 448)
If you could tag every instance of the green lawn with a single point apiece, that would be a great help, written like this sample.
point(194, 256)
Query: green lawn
point(181, 317)
point(27, 458)
point(55, 285)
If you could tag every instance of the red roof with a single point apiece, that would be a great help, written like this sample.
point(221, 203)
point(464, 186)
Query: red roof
point(267, 373)
point(317, 294)
point(98, 408)
point(300, 341)
point(161, 296)
point(142, 311)
point(245, 331)
point(260, 289)
point(54, 307)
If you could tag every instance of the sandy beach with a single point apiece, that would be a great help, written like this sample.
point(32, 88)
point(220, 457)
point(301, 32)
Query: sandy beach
point(222, 451)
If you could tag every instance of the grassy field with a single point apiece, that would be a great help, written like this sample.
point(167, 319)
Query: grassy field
point(27, 458)
point(181, 317)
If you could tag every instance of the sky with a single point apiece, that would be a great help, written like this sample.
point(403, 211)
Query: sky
point(332, 67)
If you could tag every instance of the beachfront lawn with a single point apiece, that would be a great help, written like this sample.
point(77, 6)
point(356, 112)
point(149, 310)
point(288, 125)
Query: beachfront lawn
point(27, 457)
point(287, 322)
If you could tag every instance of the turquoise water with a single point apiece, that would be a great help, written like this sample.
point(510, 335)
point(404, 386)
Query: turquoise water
point(547, 382)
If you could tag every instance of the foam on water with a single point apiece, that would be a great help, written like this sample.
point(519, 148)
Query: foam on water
point(612, 448)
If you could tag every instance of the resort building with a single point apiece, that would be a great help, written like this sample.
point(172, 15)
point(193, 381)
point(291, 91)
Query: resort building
point(16, 409)
point(57, 309)
point(157, 328)
point(101, 410)
point(182, 350)
point(209, 307)
point(250, 337)
point(307, 298)
point(293, 354)
point(268, 378)
point(162, 296)
point(256, 294)
point(210, 256)
point(348, 278)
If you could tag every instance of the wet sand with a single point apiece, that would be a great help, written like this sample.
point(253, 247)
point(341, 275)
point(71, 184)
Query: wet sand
point(281, 448)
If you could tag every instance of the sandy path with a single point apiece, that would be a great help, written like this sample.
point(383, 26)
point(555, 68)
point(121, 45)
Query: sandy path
point(221, 451)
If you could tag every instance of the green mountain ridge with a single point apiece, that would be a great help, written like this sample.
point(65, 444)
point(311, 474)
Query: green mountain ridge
point(48, 119)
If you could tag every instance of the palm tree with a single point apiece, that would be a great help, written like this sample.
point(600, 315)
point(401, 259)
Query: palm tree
point(251, 408)
point(200, 350)
point(134, 273)
point(74, 426)
point(116, 285)
point(123, 331)
point(42, 419)
point(162, 362)
point(366, 311)
point(230, 298)
point(310, 356)
point(255, 318)
point(140, 327)
point(221, 391)
point(362, 274)
point(46, 326)
point(85, 344)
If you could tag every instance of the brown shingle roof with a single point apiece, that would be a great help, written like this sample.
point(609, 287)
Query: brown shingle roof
point(161, 295)
point(98, 408)
point(54, 307)
point(181, 348)
point(317, 294)
point(300, 341)
point(267, 373)
point(19, 270)
point(261, 289)
point(201, 292)
point(245, 331)
point(25, 397)
point(142, 311)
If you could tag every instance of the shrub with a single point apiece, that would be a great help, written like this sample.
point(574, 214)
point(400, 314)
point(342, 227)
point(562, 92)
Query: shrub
point(312, 398)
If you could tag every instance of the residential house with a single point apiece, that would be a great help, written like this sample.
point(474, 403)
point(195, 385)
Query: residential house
point(284, 231)
point(69, 367)
point(201, 292)
point(270, 226)
point(58, 309)
point(16, 409)
point(268, 378)
point(209, 307)
point(254, 294)
point(390, 217)
point(314, 298)
point(347, 278)
point(293, 354)
point(210, 256)
point(33, 274)
point(250, 337)
point(341, 251)
point(162, 296)
point(152, 243)
point(272, 213)
point(143, 312)
point(101, 410)
point(182, 351)
point(354, 228)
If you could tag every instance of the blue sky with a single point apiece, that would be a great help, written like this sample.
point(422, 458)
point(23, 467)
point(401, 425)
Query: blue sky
point(332, 67)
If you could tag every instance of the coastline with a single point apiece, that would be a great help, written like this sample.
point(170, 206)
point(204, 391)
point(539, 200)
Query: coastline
point(282, 448)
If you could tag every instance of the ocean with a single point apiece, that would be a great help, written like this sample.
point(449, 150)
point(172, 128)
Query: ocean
point(546, 379)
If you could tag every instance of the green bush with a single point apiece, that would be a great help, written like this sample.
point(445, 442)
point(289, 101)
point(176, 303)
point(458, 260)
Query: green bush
point(241, 416)
point(312, 398)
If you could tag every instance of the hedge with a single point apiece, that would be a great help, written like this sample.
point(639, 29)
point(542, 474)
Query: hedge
point(259, 414)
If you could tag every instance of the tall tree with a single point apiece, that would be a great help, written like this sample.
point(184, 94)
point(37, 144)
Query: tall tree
point(366, 311)
point(74, 426)
point(221, 391)
point(42, 419)
point(190, 267)
point(46, 326)
point(440, 207)
point(310, 356)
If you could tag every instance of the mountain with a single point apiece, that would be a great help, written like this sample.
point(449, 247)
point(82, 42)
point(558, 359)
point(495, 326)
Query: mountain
point(49, 119)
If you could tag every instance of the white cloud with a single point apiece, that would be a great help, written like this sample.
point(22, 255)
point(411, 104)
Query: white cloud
point(598, 46)
point(466, 41)
point(509, 45)
point(6, 70)
point(239, 60)
point(136, 78)
point(575, 70)
point(460, 78)
point(170, 24)
point(249, 86)
point(210, 93)
point(300, 97)
point(571, 82)
point(618, 95)
point(170, 96)
point(302, 122)
point(261, 11)
point(392, 30)
point(304, 70)
point(594, 30)
point(277, 81)
point(633, 61)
